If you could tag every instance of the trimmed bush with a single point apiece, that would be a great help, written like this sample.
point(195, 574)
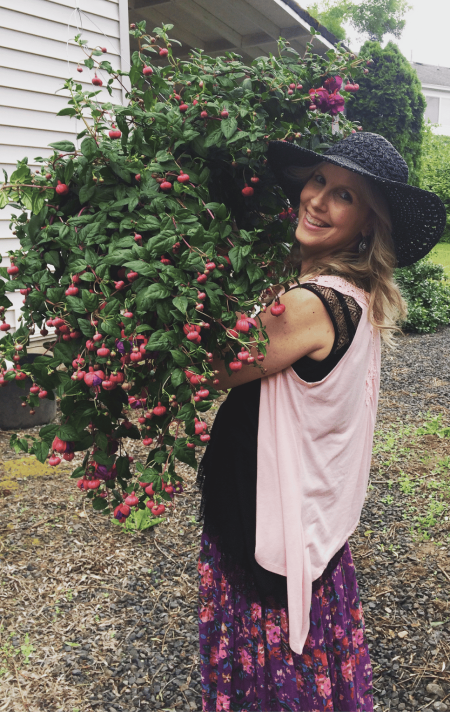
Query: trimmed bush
point(427, 291)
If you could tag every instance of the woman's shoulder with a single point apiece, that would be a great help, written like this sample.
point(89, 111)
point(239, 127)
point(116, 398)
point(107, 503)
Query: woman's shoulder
point(340, 284)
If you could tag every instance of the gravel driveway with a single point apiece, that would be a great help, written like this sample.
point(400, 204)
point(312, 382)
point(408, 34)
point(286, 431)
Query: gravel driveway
point(97, 619)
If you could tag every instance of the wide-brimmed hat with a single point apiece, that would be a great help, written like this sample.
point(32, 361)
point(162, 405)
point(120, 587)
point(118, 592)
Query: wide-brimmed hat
point(418, 216)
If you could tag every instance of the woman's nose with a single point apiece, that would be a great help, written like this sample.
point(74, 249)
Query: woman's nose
point(318, 200)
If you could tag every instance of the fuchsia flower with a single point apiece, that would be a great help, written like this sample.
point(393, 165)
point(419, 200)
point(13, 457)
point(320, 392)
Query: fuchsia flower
point(333, 84)
point(327, 98)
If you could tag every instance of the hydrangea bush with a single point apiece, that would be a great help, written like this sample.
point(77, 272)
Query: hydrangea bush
point(153, 246)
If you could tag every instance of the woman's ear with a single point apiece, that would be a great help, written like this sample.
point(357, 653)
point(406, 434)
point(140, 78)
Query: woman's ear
point(367, 230)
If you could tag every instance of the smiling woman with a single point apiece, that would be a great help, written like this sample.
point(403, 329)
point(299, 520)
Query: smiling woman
point(285, 473)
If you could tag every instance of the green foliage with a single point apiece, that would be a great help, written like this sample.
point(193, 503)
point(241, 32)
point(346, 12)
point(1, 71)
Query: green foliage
point(119, 238)
point(377, 18)
point(332, 14)
point(435, 170)
point(390, 102)
point(427, 291)
point(374, 18)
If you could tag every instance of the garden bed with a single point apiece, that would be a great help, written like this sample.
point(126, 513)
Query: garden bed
point(94, 618)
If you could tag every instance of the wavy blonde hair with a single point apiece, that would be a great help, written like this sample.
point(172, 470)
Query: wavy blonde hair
point(371, 270)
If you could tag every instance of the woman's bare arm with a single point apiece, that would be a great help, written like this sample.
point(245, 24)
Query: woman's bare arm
point(304, 329)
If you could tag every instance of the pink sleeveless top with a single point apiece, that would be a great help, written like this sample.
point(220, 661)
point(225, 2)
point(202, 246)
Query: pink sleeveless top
point(314, 454)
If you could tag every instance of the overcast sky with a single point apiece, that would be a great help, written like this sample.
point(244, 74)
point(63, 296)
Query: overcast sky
point(426, 33)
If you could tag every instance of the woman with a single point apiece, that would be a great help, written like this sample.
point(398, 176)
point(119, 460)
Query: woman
point(285, 474)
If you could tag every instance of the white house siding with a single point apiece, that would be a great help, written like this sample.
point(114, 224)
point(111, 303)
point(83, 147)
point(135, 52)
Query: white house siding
point(438, 107)
point(37, 55)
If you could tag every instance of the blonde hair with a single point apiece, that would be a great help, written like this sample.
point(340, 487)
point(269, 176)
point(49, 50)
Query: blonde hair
point(371, 270)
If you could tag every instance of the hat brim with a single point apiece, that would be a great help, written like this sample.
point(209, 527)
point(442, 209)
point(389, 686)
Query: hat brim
point(418, 216)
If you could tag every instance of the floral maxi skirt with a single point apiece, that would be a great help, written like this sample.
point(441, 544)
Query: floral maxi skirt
point(246, 661)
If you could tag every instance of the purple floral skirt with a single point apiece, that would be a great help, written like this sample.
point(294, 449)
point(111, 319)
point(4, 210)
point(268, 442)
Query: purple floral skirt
point(246, 661)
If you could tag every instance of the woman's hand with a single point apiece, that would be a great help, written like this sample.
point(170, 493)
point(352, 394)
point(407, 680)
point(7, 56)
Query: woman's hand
point(304, 329)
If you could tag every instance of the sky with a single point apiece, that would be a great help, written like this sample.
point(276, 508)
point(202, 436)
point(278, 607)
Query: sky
point(426, 36)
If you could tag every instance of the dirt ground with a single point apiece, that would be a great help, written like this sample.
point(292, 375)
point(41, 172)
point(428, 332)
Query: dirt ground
point(97, 618)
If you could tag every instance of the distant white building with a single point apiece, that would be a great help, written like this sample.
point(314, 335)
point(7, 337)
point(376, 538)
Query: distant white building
point(436, 88)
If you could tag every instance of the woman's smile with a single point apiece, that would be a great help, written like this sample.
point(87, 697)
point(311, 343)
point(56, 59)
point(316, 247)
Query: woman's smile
point(333, 214)
point(313, 222)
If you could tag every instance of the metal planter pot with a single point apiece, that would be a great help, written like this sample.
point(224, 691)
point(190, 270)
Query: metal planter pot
point(13, 416)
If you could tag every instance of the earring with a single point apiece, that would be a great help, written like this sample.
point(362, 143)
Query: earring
point(362, 245)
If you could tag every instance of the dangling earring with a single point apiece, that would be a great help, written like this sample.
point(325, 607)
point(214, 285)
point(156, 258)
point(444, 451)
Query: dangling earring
point(362, 245)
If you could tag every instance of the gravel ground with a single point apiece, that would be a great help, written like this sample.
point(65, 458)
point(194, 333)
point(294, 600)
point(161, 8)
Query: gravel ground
point(94, 618)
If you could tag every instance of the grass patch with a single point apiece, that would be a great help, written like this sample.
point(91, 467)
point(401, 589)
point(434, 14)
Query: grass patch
point(440, 255)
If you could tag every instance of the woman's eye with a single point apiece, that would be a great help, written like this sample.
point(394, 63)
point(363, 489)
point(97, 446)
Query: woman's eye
point(319, 179)
point(346, 196)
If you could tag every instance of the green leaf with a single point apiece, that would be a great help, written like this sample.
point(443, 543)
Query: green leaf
point(181, 303)
point(228, 126)
point(64, 146)
point(177, 377)
point(109, 327)
point(103, 459)
point(68, 433)
point(180, 358)
point(89, 148)
point(98, 503)
point(21, 175)
point(90, 300)
point(236, 258)
point(67, 111)
point(86, 192)
point(40, 450)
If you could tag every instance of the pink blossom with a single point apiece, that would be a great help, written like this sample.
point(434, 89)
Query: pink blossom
point(347, 672)
point(206, 614)
point(214, 657)
point(323, 685)
point(358, 637)
point(255, 611)
point(273, 633)
point(246, 661)
point(338, 632)
point(333, 84)
point(223, 701)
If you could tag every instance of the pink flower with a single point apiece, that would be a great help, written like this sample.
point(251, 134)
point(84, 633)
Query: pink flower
point(323, 685)
point(299, 679)
point(284, 621)
point(358, 637)
point(347, 672)
point(214, 657)
point(261, 654)
point(333, 83)
point(255, 612)
point(223, 701)
point(338, 632)
point(356, 613)
point(207, 578)
point(273, 633)
point(246, 661)
point(202, 567)
point(206, 614)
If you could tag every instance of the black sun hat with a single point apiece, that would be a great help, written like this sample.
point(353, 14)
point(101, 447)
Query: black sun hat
point(418, 216)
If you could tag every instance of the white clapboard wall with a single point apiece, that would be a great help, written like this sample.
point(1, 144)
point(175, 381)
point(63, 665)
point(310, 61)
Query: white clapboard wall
point(37, 54)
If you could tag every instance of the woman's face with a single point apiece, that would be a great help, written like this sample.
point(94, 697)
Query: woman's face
point(333, 214)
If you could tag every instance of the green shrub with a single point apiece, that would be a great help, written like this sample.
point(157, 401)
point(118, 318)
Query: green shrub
point(435, 170)
point(427, 291)
point(390, 102)
point(141, 249)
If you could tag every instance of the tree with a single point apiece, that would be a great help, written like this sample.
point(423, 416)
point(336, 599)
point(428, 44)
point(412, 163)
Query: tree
point(435, 170)
point(390, 102)
point(153, 246)
point(374, 18)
